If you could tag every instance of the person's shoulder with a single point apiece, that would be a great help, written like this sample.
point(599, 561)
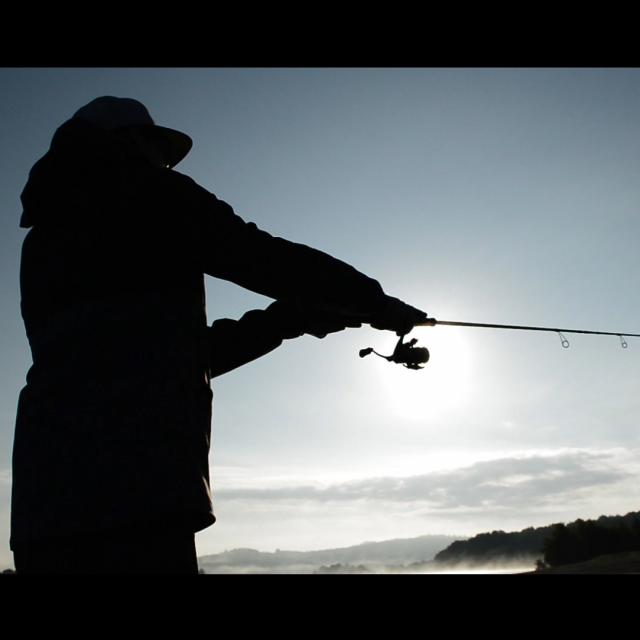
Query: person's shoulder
point(180, 180)
point(185, 186)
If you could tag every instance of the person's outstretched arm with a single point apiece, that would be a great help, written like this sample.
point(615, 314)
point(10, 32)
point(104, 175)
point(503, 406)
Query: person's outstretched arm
point(227, 247)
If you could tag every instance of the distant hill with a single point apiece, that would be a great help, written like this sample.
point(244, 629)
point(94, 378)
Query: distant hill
point(362, 558)
point(523, 547)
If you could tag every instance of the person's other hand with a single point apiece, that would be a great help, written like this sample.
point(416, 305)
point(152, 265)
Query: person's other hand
point(296, 319)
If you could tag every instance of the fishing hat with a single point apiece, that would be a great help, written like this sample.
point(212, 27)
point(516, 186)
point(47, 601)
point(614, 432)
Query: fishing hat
point(113, 114)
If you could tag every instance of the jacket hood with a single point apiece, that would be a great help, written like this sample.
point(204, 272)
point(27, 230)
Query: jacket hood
point(74, 175)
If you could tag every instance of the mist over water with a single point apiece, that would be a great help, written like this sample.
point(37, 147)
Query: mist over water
point(306, 569)
point(493, 569)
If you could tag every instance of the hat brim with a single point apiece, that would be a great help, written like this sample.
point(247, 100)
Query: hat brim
point(175, 143)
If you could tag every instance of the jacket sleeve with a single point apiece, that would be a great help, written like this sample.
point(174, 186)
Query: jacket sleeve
point(227, 247)
point(233, 343)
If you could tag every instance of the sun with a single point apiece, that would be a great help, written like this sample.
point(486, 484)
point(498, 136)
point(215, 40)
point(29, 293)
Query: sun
point(443, 386)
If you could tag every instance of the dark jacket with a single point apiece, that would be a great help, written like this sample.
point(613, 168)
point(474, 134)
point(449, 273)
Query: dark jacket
point(113, 425)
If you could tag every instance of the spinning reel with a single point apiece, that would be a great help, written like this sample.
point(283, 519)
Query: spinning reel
point(405, 353)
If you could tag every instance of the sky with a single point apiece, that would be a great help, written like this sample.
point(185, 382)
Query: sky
point(497, 195)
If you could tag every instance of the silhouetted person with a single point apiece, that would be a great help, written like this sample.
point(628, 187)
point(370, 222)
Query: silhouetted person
point(110, 459)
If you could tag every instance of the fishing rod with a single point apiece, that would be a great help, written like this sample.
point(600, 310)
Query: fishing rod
point(413, 357)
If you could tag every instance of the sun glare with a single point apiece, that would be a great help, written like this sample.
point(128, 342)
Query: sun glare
point(443, 385)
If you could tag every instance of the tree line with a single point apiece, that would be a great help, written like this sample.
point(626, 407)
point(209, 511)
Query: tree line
point(585, 539)
point(554, 545)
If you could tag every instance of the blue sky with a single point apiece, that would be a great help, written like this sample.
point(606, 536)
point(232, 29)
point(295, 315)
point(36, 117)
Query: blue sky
point(486, 195)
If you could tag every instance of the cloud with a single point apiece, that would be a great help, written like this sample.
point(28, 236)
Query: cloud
point(510, 492)
point(502, 483)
